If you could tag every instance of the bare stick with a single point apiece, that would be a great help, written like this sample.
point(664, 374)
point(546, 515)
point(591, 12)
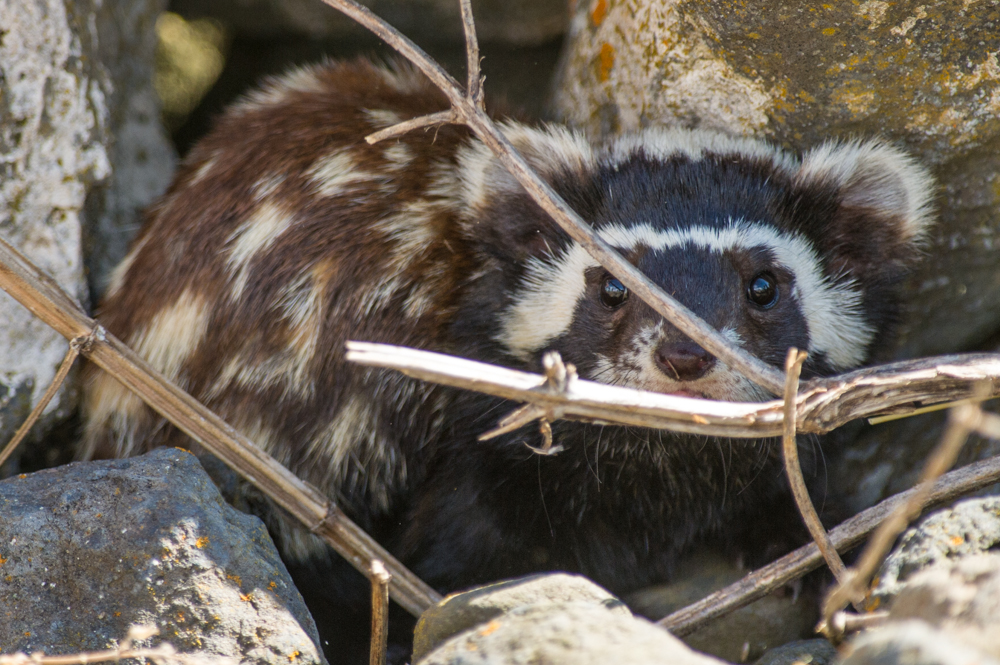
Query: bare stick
point(432, 120)
point(379, 577)
point(27, 284)
point(795, 564)
point(843, 624)
point(822, 404)
point(50, 392)
point(790, 452)
point(471, 114)
point(474, 84)
point(961, 421)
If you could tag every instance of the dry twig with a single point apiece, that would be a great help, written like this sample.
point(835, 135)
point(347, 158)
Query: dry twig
point(67, 363)
point(822, 405)
point(790, 453)
point(379, 577)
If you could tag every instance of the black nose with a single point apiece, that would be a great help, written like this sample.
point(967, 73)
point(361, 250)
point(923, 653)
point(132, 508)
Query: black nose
point(684, 360)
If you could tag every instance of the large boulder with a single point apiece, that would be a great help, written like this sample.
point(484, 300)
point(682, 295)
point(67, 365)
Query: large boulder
point(89, 549)
point(80, 151)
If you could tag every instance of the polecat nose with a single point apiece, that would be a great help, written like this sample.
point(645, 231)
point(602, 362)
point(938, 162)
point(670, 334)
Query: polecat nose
point(683, 360)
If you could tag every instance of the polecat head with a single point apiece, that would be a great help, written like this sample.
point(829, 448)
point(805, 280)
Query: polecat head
point(771, 250)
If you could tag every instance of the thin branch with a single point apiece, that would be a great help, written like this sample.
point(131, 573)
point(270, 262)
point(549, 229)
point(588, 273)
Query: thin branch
point(961, 421)
point(28, 285)
point(67, 363)
point(790, 453)
point(472, 115)
point(843, 624)
point(823, 405)
point(795, 564)
point(380, 578)
point(474, 80)
point(432, 120)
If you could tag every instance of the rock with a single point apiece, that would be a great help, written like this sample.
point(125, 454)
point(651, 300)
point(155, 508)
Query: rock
point(518, 22)
point(53, 131)
point(88, 549)
point(577, 633)
point(740, 636)
point(461, 611)
point(801, 652)
point(912, 643)
point(79, 140)
point(142, 156)
point(961, 597)
point(970, 527)
point(923, 75)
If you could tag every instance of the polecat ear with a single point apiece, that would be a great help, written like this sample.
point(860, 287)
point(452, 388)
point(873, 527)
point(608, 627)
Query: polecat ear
point(500, 214)
point(883, 207)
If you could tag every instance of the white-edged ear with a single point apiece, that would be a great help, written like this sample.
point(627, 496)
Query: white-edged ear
point(877, 178)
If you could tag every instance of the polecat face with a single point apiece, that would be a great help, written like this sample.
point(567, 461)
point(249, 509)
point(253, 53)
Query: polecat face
point(748, 238)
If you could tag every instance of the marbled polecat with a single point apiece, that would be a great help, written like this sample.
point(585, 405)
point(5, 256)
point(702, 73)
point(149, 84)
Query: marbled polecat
point(285, 234)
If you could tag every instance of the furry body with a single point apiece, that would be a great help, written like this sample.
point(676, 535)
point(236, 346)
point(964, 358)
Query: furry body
point(284, 235)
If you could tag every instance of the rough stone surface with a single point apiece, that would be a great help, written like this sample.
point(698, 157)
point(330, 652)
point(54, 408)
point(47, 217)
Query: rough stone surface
point(80, 152)
point(743, 635)
point(801, 652)
point(912, 643)
point(925, 75)
point(512, 21)
point(89, 549)
point(565, 633)
point(462, 611)
point(142, 156)
point(969, 528)
point(961, 597)
point(53, 129)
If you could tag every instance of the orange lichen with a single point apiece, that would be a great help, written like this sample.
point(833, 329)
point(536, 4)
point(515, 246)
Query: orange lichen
point(606, 60)
point(599, 12)
point(491, 627)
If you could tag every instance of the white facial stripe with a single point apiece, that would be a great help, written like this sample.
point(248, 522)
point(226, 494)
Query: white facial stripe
point(832, 311)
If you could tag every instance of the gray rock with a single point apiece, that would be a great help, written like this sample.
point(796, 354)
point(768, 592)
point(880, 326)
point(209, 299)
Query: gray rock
point(462, 611)
point(919, 74)
point(802, 652)
point(970, 527)
point(740, 636)
point(89, 549)
point(53, 131)
point(912, 643)
point(961, 598)
point(514, 21)
point(565, 633)
point(80, 152)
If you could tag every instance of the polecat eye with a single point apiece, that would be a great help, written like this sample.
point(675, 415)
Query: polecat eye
point(763, 291)
point(613, 293)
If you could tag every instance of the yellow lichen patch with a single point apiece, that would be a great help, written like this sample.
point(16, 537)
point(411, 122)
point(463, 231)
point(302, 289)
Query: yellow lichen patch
point(858, 99)
point(272, 586)
point(201, 542)
point(2, 561)
point(246, 597)
point(606, 60)
point(235, 578)
point(292, 657)
point(957, 540)
point(829, 31)
point(599, 12)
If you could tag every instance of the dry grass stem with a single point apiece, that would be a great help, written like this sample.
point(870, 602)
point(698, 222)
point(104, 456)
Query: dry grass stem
point(67, 363)
point(468, 107)
point(28, 285)
point(380, 578)
point(962, 420)
point(843, 624)
point(795, 564)
point(790, 453)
